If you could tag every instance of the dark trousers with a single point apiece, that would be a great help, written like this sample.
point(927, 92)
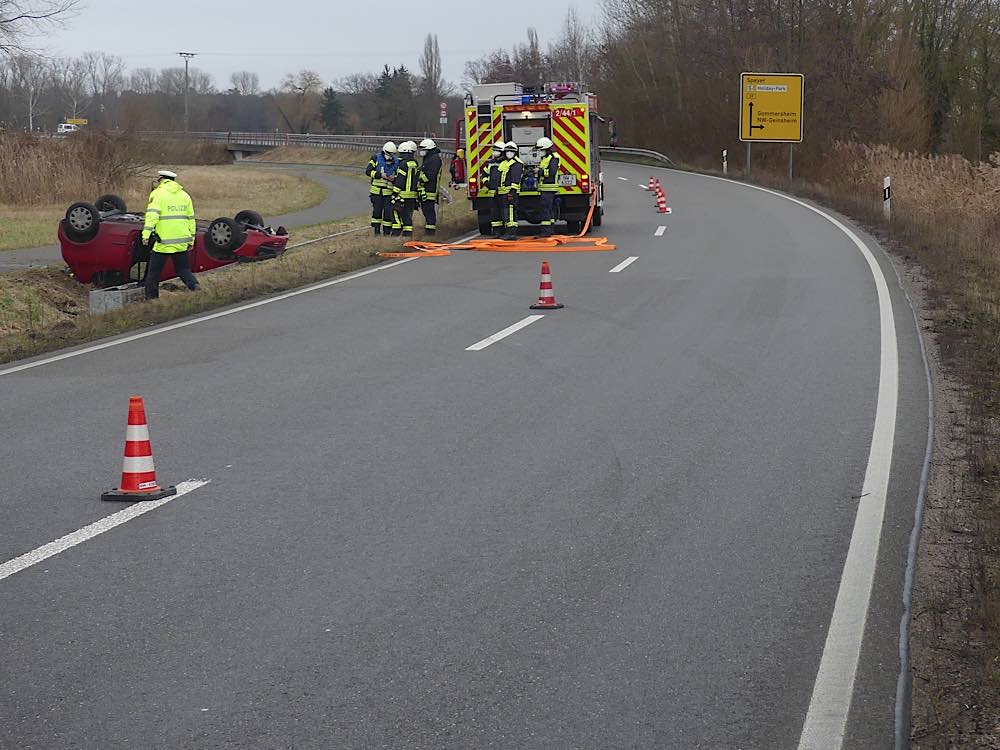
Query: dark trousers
point(404, 214)
point(156, 263)
point(388, 214)
point(378, 210)
point(509, 205)
point(497, 204)
point(429, 210)
point(546, 203)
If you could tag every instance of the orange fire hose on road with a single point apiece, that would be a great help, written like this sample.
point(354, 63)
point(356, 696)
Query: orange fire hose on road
point(578, 243)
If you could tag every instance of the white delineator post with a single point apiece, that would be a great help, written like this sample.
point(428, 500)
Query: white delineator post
point(725, 161)
point(887, 198)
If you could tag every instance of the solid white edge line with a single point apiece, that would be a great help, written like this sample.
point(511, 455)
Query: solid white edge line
point(79, 536)
point(490, 340)
point(624, 264)
point(211, 316)
point(833, 691)
point(659, 231)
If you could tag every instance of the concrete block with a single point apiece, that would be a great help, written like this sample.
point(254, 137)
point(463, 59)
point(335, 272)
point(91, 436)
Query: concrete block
point(115, 297)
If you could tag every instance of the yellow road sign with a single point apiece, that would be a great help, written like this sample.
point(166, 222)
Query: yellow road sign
point(77, 121)
point(771, 107)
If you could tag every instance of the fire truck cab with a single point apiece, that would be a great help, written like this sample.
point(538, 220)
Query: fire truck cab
point(562, 112)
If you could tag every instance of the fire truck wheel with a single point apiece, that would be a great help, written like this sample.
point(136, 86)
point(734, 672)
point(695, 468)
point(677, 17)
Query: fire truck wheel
point(484, 224)
point(110, 202)
point(82, 222)
point(598, 216)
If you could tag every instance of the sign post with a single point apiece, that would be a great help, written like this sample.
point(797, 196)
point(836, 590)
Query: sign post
point(887, 198)
point(725, 161)
point(771, 107)
point(443, 119)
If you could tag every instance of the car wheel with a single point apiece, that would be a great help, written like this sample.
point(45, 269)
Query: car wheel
point(224, 236)
point(249, 217)
point(82, 222)
point(110, 202)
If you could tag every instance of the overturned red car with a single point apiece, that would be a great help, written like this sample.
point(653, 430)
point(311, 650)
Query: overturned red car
point(102, 242)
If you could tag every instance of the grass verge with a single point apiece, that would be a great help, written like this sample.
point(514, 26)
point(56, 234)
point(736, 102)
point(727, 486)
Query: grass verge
point(216, 190)
point(43, 309)
point(336, 157)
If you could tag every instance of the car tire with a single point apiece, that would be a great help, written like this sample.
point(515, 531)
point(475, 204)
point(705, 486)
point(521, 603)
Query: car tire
point(224, 236)
point(110, 202)
point(82, 222)
point(249, 217)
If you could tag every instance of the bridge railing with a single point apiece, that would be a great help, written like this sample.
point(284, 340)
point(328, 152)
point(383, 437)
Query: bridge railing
point(354, 142)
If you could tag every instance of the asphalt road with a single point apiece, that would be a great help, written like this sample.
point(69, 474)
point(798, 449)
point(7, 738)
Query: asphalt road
point(623, 525)
point(345, 197)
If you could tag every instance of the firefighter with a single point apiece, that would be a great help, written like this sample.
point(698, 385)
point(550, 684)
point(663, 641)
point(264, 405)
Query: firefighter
point(171, 227)
point(429, 183)
point(457, 168)
point(511, 170)
point(548, 183)
point(380, 170)
point(404, 189)
point(491, 181)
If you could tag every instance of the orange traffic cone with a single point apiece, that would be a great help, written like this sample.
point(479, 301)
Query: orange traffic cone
point(661, 203)
point(138, 473)
point(651, 186)
point(546, 294)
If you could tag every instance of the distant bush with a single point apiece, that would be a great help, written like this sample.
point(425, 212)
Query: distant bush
point(43, 170)
point(38, 171)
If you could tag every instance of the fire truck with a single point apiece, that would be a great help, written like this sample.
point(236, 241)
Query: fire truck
point(562, 112)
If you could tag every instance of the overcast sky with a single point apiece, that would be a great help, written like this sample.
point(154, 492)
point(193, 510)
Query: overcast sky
point(333, 38)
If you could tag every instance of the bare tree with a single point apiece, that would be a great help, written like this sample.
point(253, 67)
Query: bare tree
point(143, 81)
point(69, 83)
point(568, 56)
point(298, 100)
point(22, 19)
point(30, 75)
point(430, 69)
point(245, 83)
point(105, 74)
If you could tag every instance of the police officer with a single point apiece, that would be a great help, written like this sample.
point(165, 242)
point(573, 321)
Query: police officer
point(170, 219)
point(404, 189)
point(548, 185)
point(380, 170)
point(491, 182)
point(429, 183)
point(511, 171)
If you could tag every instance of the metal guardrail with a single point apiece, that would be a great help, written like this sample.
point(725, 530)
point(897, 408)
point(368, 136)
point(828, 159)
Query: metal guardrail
point(609, 151)
point(274, 140)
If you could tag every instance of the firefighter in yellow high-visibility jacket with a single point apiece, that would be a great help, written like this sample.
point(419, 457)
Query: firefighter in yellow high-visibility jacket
point(170, 224)
point(511, 171)
point(548, 183)
point(404, 189)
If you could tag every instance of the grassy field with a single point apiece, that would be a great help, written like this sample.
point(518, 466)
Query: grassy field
point(331, 156)
point(216, 191)
point(44, 309)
